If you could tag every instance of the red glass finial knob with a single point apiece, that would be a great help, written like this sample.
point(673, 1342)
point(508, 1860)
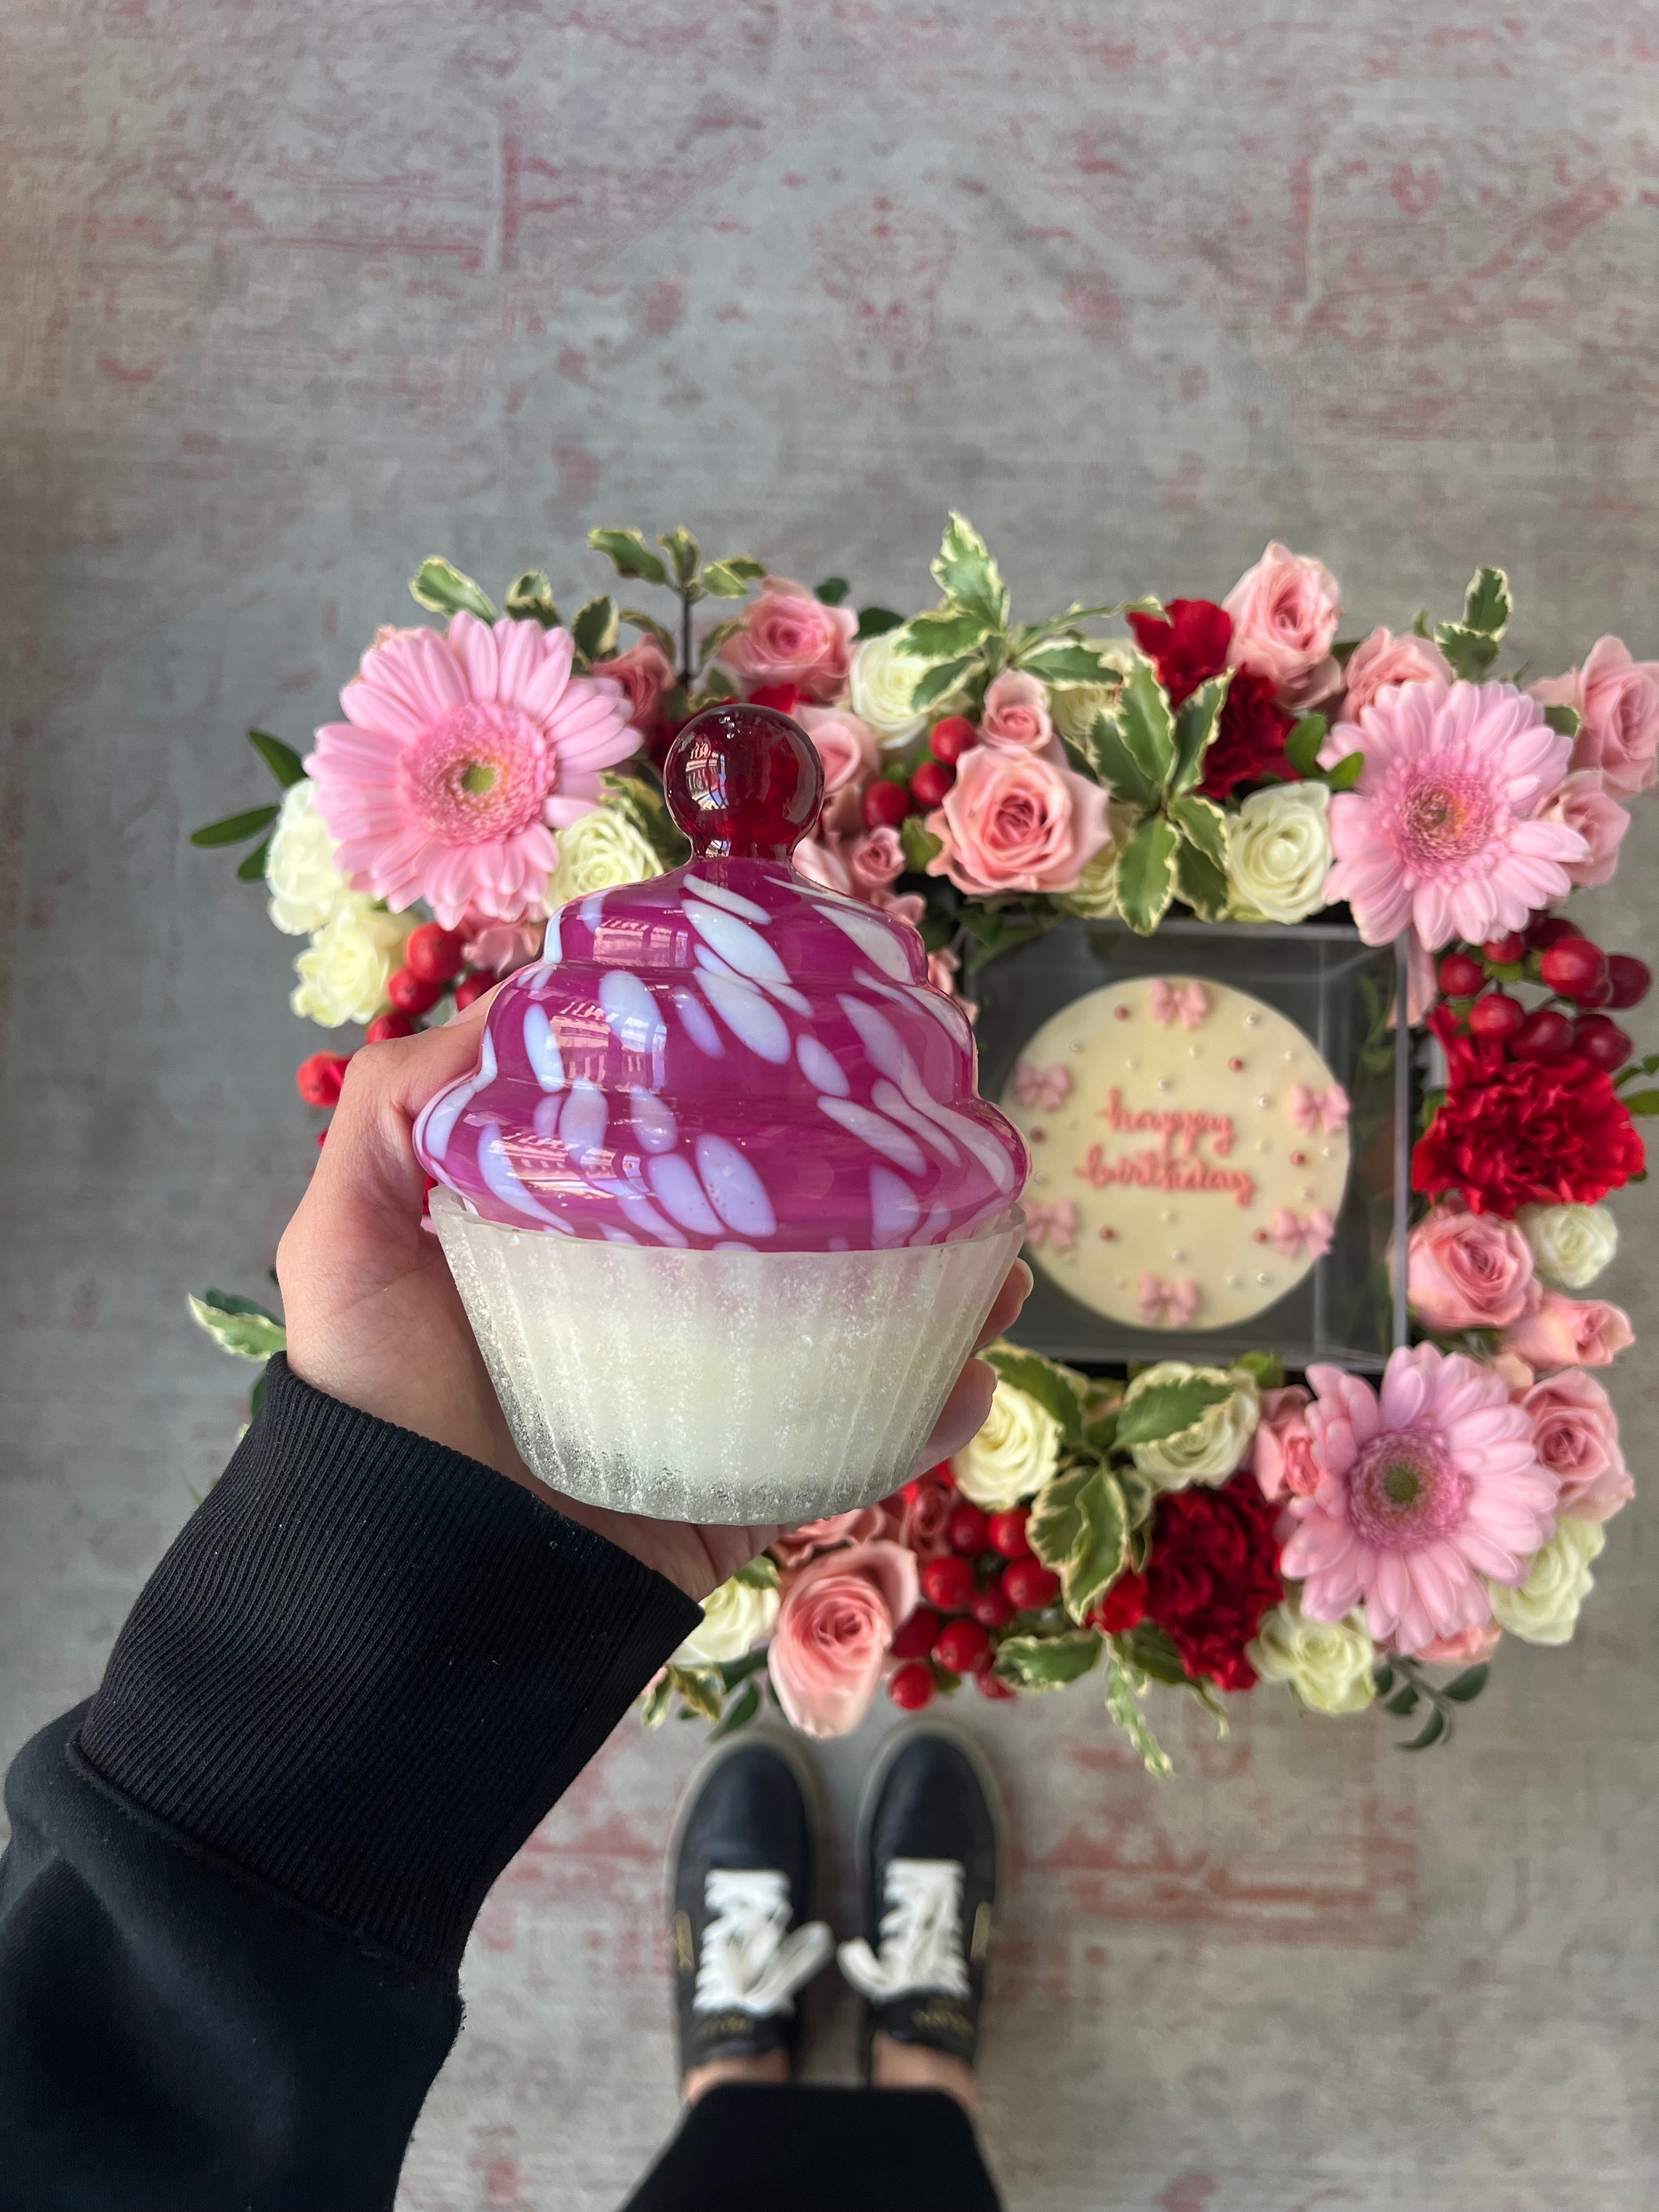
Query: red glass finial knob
point(744, 783)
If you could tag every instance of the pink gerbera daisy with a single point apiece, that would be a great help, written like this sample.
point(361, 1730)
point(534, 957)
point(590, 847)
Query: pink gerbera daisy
point(1420, 1494)
point(458, 757)
point(1441, 830)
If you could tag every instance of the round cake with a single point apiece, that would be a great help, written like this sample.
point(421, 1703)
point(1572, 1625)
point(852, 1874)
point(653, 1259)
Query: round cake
point(1189, 1150)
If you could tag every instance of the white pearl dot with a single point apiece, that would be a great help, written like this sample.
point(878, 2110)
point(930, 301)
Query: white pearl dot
point(1163, 1082)
point(1261, 1279)
point(1264, 1100)
point(1251, 1021)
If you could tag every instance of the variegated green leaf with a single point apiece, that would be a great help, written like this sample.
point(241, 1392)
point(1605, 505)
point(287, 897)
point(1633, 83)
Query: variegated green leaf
point(237, 1325)
point(1078, 1526)
point(653, 1706)
point(950, 635)
point(1488, 604)
point(1202, 823)
point(1144, 719)
point(1563, 719)
point(529, 599)
point(920, 845)
point(699, 1688)
point(1195, 724)
point(636, 619)
point(1116, 766)
point(730, 578)
point(1066, 660)
point(1055, 1387)
point(1201, 883)
point(1047, 1662)
point(683, 550)
point(629, 554)
point(938, 681)
point(439, 585)
point(1164, 1409)
point(1146, 874)
point(968, 574)
point(595, 628)
point(1124, 1707)
point(1471, 652)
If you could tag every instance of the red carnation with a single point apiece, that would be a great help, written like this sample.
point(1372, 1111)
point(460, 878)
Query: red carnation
point(1123, 1606)
point(1188, 648)
point(1249, 744)
point(1213, 1573)
point(1529, 1133)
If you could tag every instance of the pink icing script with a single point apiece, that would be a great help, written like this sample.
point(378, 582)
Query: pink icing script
point(729, 1054)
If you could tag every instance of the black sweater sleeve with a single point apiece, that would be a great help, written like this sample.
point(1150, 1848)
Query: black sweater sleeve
point(240, 1878)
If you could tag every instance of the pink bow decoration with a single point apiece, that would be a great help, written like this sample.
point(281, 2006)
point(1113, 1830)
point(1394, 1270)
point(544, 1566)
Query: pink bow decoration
point(1055, 1224)
point(1164, 1001)
point(1166, 1305)
point(1292, 1233)
point(1043, 1086)
point(1319, 1110)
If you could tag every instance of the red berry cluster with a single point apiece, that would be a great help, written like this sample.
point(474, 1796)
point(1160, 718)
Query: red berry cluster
point(1581, 981)
point(894, 795)
point(973, 1592)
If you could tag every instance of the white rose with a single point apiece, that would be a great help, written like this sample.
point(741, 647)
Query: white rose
point(306, 888)
point(598, 851)
point(882, 681)
point(735, 1619)
point(1327, 1662)
point(1212, 1448)
point(1278, 853)
point(1571, 1244)
point(1013, 1455)
point(344, 970)
point(1545, 1609)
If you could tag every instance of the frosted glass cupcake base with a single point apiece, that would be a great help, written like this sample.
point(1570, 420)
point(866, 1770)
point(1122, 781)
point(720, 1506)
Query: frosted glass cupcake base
point(739, 1387)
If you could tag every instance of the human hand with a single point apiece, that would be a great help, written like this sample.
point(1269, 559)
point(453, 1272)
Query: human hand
point(374, 1319)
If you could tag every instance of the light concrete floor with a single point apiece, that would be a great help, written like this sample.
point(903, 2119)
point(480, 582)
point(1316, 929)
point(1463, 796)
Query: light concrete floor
point(293, 296)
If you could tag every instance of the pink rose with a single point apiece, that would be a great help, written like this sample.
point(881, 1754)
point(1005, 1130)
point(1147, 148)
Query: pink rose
point(1281, 1455)
point(1015, 717)
point(1284, 614)
point(875, 861)
point(1584, 802)
point(848, 748)
point(1012, 821)
point(789, 636)
point(1513, 1372)
point(1617, 700)
point(918, 1520)
point(1576, 1435)
point(823, 860)
point(1561, 1332)
point(834, 1629)
point(942, 971)
point(1467, 1649)
point(1381, 659)
point(1466, 1270)
point(499, 947)
point(800, 1544)
point(645, 673)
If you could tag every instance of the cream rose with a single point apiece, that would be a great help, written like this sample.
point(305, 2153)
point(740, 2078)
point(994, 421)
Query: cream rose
point(598, 851)
point(306, 888)
point(1278, 853)
point(1327, 1662)
point(735, 1619)
point(1545, 1609)
point(882, 679)
point(1216, 1443)
point(344, 969)
point(1571, 1244)
point(1012, 1456)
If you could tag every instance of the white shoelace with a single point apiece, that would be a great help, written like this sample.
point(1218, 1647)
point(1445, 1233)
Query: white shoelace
point(750, 1962)
point(921, 1945)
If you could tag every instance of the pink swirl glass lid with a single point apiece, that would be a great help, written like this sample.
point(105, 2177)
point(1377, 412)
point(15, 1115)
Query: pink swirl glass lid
point(728, 1055)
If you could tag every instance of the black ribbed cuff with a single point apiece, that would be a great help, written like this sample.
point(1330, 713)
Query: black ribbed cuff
point(366, 1668)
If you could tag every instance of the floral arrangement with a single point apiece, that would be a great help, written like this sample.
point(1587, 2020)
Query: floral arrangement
point(986, 778)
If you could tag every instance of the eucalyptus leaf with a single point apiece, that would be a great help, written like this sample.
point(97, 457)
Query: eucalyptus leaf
point(1047, 1662)
point(1642, 1102)
point(238, 1325)
point(968, 574)
point(440, 585)
point(1040, 1378)
point(1146, 874)
point(236, 828)
point(876, 622)
point(1347, 773)
point(595, 628)
point(1468, 1686)
point(1164, 1409)
point(1124, 1707)
point(920, 845)
point(739, 1714)
point(1433, 1730)
point(251, 868)
point(832, 591)
point(1302, 746)
point(529, 599)
point(282, 760)
point(1196, 721)
point(629, 554)
point(1403, 1701)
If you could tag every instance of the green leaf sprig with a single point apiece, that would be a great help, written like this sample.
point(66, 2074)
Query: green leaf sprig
point(680, 568)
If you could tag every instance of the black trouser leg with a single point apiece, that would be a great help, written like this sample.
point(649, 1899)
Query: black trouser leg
point(758, 2147)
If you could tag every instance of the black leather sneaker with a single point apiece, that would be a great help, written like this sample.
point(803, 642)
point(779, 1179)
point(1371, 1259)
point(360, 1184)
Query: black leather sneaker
point(928, 1855)
point(740, 1941)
